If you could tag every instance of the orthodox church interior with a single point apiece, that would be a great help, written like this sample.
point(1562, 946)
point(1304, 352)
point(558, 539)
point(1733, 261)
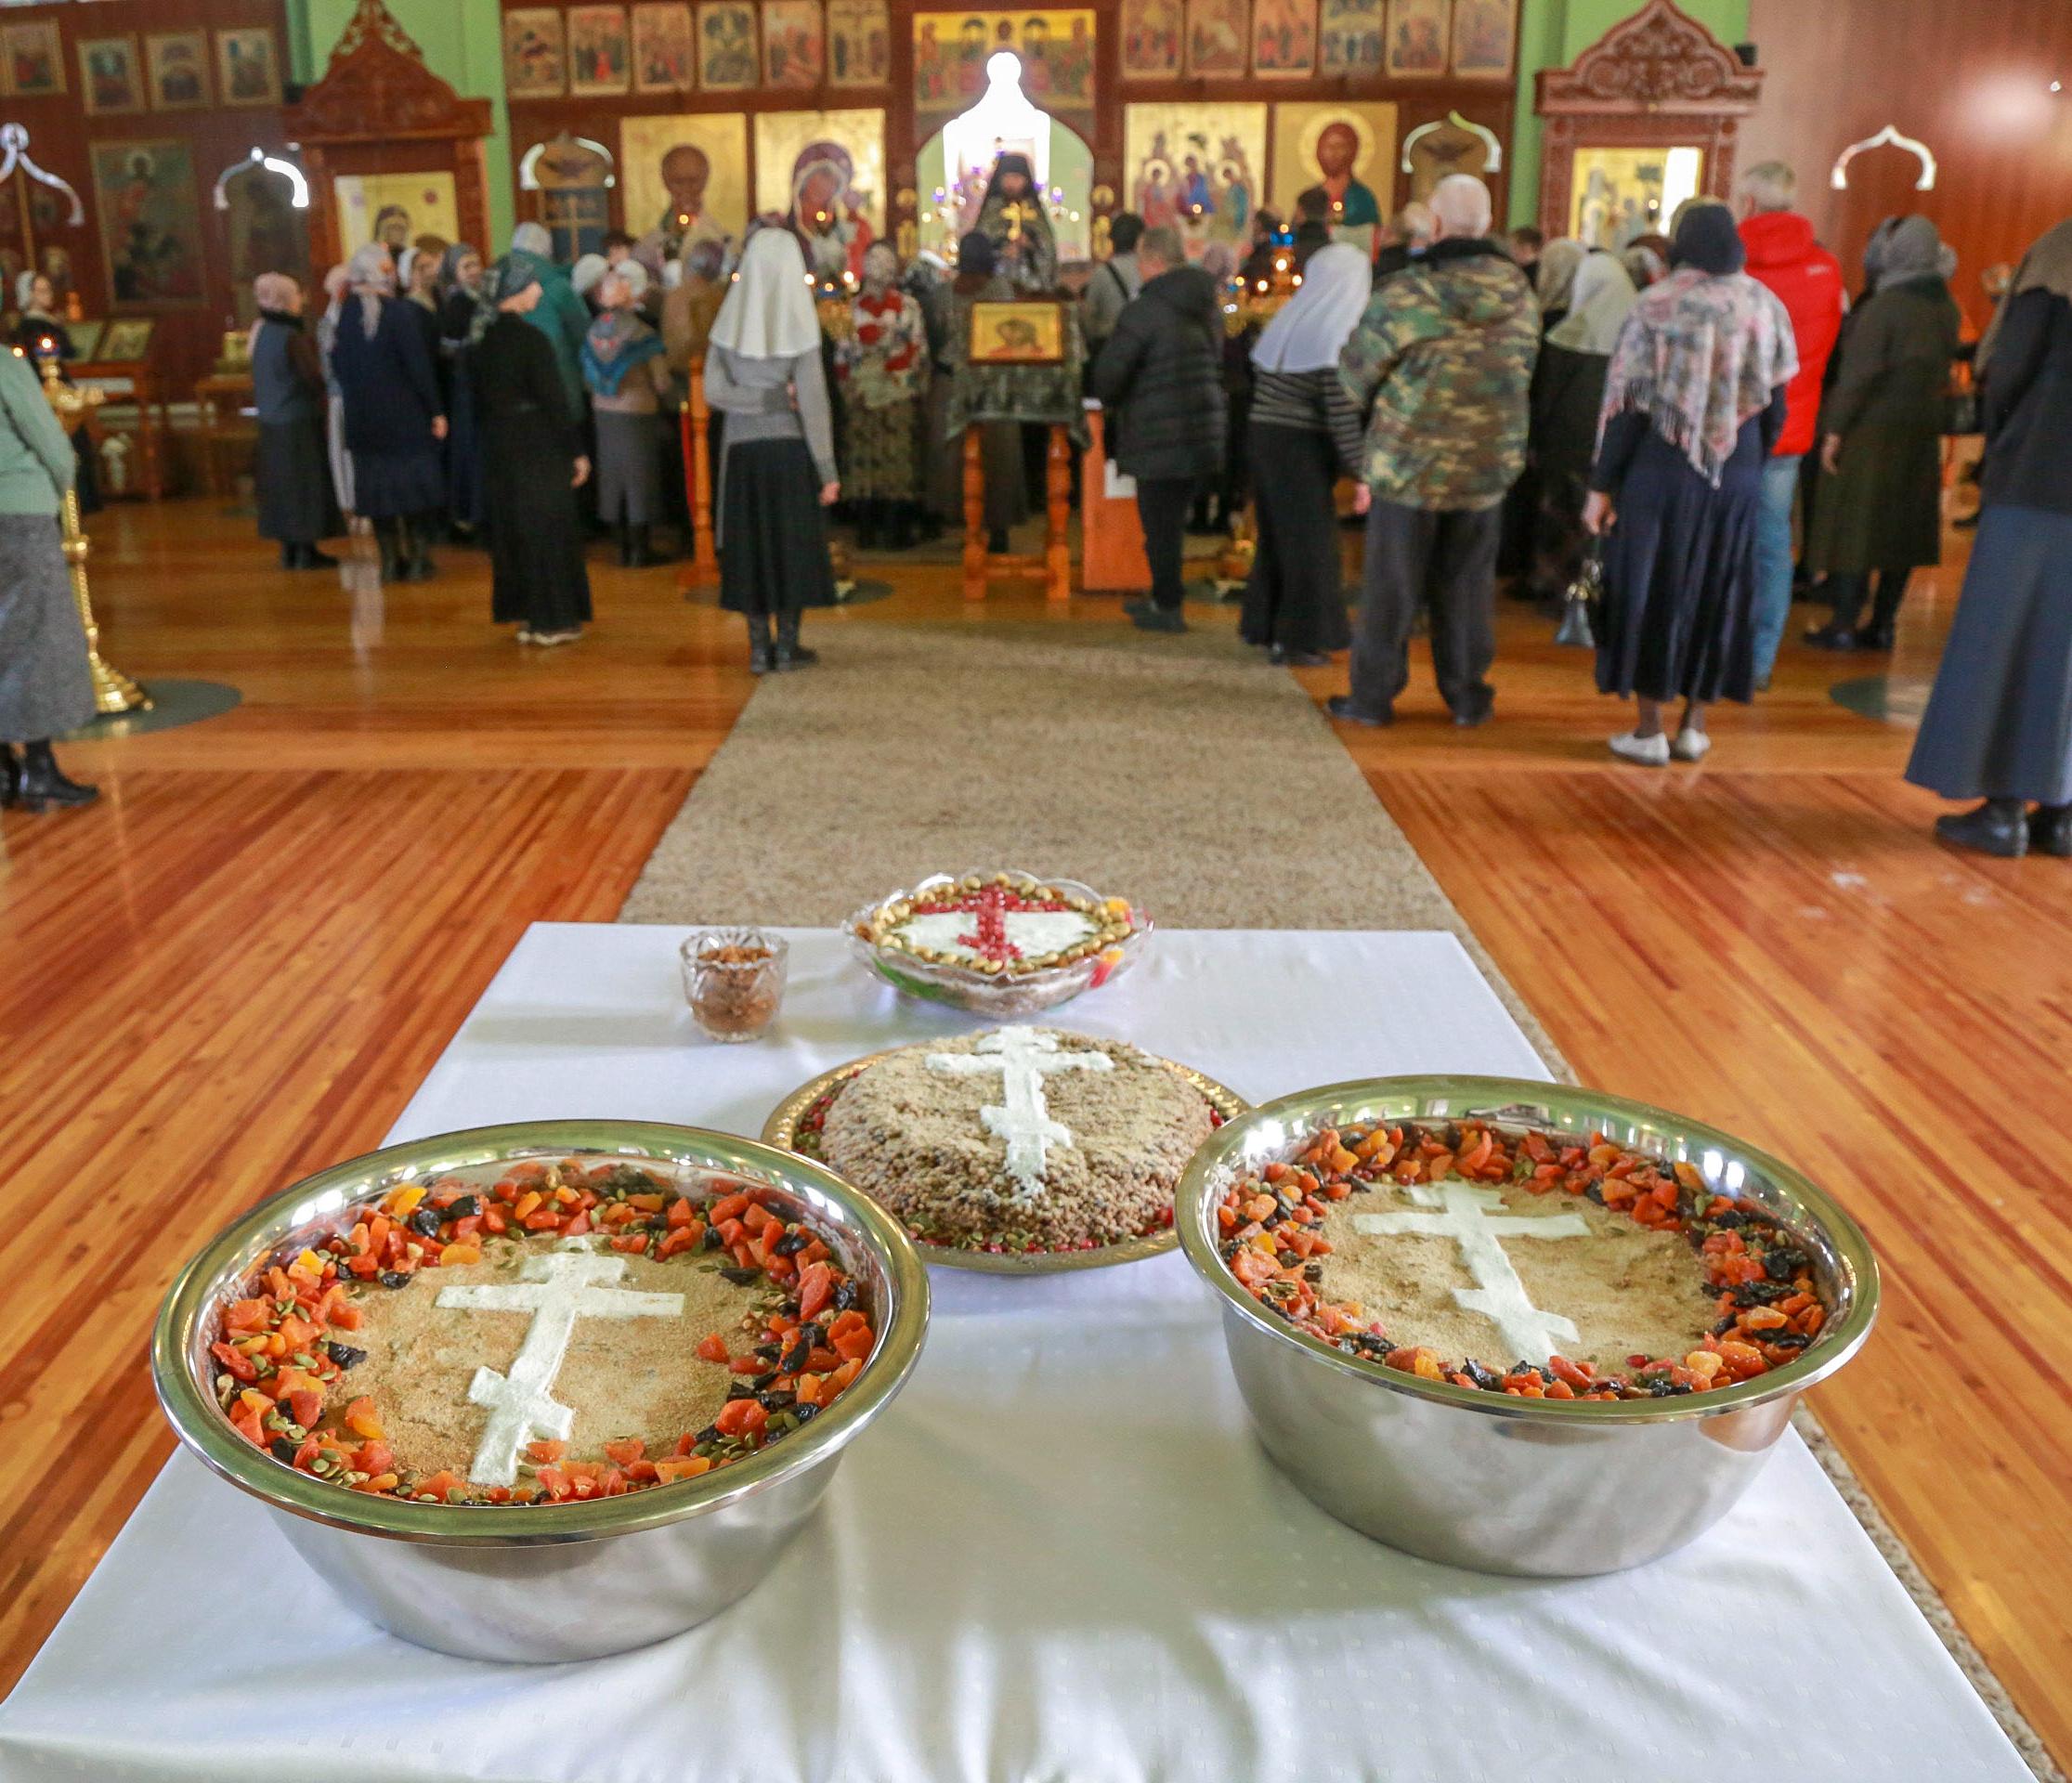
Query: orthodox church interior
point(1258, 1177)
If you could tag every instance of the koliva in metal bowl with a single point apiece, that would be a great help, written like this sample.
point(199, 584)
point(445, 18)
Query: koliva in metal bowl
point(545, 1581)
point(1466, 1472)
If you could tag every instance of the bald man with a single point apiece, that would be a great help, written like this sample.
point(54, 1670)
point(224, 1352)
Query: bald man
point(1441, 364)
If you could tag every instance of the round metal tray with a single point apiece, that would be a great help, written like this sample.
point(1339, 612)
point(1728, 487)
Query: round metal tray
point(782, 1128)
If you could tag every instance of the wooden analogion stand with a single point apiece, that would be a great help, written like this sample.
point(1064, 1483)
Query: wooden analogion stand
point(1054, 563)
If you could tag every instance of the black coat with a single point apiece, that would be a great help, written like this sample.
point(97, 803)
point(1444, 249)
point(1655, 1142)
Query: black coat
point(1161, 376)
point(530, 444)
point(1882, 510)
point(1568, 390)
point(2027, 386)
point(391, 391)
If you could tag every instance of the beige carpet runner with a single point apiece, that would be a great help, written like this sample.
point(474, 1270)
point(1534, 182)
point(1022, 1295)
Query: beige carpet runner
point(1180, 771)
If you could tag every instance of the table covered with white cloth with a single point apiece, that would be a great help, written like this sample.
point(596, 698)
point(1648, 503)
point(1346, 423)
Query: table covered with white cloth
point(1059, 1556)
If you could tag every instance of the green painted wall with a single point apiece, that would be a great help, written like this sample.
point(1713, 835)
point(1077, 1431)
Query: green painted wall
point(463, 41)
point(1552, 33)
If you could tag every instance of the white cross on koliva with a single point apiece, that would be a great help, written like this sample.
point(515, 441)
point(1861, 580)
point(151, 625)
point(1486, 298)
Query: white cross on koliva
point(566, 1284)
point(1023, 1056)
point(1529, 1334)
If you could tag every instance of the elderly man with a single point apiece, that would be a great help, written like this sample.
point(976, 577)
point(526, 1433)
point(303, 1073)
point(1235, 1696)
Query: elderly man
point(1807, 280)
point(1441, 363)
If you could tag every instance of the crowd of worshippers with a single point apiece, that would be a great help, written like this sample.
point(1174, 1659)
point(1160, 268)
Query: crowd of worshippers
point(1644, 432)
point(1650, 429)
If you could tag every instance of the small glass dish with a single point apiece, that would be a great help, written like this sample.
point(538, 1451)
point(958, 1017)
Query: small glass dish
point(734, 981)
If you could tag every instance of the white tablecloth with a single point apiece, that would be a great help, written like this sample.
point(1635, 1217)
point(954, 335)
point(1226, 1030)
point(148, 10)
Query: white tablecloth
point(1060, 1555)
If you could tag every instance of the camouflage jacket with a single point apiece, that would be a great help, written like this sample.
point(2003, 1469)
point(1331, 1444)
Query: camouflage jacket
point(1444, 356)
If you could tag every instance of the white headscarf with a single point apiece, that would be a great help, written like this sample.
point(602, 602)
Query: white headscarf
point(1313, 325)
point(1554, 277)
point(1598, 301)
point(588, 270)
point(371, 272)
point(768, 313)
point(532, 237)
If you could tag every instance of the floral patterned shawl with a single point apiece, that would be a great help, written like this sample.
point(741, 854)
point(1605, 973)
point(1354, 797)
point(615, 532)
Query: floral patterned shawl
point(1700, 354)
point(885, 356)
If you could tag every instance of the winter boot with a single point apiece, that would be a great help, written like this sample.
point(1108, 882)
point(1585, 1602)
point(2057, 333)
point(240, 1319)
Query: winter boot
point(791, 653)
point(43, 784)
point(761, 657)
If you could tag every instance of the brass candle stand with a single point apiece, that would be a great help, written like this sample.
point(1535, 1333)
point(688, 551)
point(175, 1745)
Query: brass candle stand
point(114, 691)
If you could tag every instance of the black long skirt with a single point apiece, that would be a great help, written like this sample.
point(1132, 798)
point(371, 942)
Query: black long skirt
point(536, 535)
point(1295, 596)
point(773, 530)
point(1999, 723)
point(292, 479)
point(1678, 621)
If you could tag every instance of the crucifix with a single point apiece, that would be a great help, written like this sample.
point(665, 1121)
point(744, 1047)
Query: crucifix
point(566, 1284)
point(1023, 1056)
point(1464, 1215)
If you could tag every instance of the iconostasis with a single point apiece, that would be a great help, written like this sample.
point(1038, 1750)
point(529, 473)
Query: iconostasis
point(867, 119)
point(128, 172)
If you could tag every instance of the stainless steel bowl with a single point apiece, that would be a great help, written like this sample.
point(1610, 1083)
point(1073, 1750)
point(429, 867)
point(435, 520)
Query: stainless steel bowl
point(1482, 1480)
point(561, 1581)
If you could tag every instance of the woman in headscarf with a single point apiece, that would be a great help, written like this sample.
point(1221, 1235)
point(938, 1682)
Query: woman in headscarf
point(980, 281)
point(1999, 723)
point(883, 369)
point(1305, 432)
point(395, 417)
point(628, 379)
point(777, 475)
point(1554, 277)
point(1880, 506)
point(337, 282)
point(1014, 218)
point(45, 687)
point(41, 334)
point(1567, 394)
point(690, 306)
point(289, 476)
point(532, 464)
point(560, 315)
point(460, 298)
point(1694, 399)
point(1646, 259)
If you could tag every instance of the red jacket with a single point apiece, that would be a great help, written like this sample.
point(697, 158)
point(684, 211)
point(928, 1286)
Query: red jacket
point(1807, 280)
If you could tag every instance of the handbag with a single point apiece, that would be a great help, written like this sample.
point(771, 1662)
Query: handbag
point(1582, 602)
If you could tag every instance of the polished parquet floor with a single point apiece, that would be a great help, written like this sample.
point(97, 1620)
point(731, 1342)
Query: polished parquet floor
point(240, 964)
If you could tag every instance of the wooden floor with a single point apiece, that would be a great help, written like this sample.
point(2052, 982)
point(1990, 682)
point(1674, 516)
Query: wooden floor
point(240, 963)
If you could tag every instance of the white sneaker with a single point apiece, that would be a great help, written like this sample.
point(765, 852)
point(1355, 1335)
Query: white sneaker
point(1650, 752)
point(1690, 746)
point(556, 637)
point(526, 635)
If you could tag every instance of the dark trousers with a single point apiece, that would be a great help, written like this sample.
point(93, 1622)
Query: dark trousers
point(1445, 562)
point(1847, 590)
point(1162, 505)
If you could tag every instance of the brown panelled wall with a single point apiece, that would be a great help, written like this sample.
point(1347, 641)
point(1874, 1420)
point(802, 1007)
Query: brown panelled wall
point(189, 335)
point(1972, 81)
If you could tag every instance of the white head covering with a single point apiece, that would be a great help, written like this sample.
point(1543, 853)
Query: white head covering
point(1554, 279)
point(532, 237)
point(24, 288)
point(373, 272)
point(768, 313)
point(632, 274)
point(588, 271)
point(1314, 324)
point(1598, 301)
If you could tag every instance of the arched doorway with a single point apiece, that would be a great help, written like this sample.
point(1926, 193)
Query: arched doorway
point(955, 164)
point(263, 201)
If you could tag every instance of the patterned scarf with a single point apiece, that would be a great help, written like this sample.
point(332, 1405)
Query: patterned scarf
point(1698, 355)
point(617, 342)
